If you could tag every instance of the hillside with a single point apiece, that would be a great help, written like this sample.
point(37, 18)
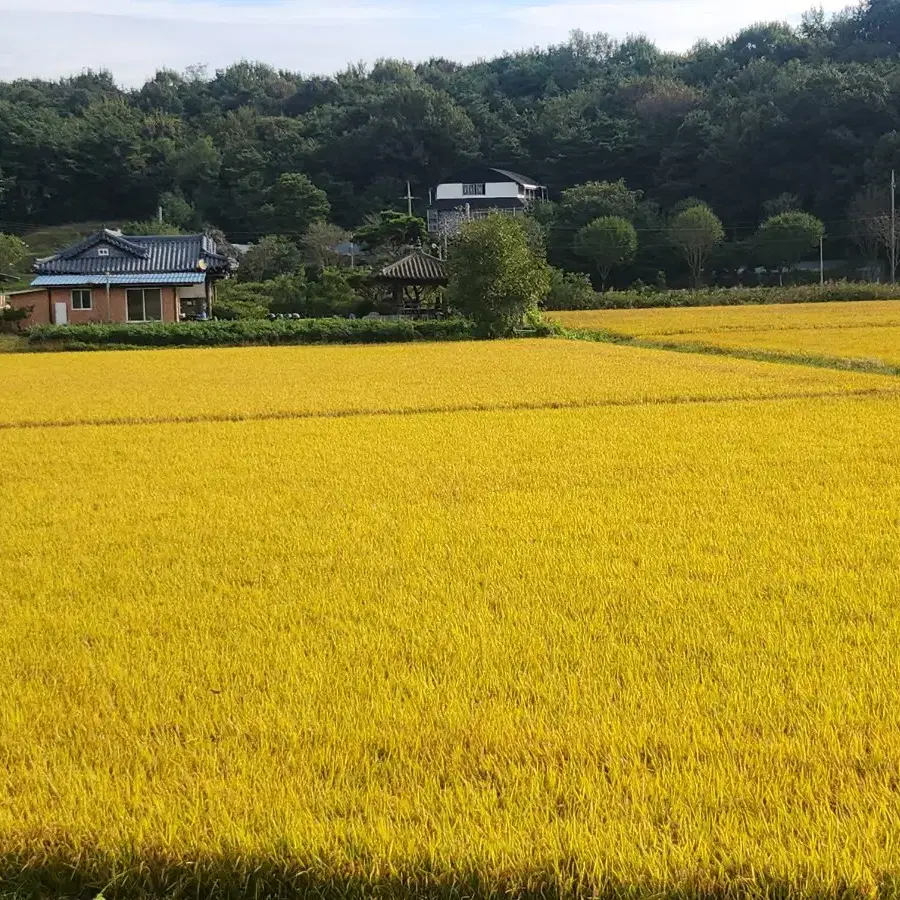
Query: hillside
point(774, 117)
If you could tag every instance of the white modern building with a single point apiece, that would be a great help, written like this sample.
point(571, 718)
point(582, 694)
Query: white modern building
point(478, 193)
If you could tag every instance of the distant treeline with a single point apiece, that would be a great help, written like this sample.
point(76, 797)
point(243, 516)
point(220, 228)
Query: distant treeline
point(812, 113)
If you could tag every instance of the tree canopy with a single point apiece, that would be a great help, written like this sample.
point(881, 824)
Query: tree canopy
point(783, 240)
point(608, 243)
point(613, 128)
point(496, 278)
point(696, 232)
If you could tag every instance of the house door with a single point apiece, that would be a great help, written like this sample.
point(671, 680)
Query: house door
point(60, 313)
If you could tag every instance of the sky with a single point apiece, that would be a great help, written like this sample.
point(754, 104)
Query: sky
point(134, 38)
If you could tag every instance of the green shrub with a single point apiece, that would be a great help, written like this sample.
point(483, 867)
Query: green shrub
point(247, 332)
point(647, 298)
point(569, 290)
point(242, 300)
point(12, 317)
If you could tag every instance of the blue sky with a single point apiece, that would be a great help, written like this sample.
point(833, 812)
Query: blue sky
point(133, 38)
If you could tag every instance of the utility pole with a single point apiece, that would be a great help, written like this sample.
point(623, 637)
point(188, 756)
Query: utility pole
point(159, 214)
point(893, 226)
point(822, 260)
point(409, 199)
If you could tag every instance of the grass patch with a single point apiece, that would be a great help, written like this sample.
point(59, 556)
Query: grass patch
point(13, 343)
point(47, 240)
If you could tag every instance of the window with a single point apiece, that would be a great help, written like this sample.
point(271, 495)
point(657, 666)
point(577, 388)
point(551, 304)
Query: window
point(82, 299)
point(144, 305)
point(103, 251)
point(474, 190)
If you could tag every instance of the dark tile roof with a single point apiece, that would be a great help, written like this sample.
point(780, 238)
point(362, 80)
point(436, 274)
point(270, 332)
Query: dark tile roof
point(417, 268)
point(136, 255)
point(513, 176)
point(483, 173)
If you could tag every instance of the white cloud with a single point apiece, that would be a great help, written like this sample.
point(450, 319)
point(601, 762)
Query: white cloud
point(135, 37)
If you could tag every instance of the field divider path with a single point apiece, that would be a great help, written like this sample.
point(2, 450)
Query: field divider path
point(843, 364)
point(538, 406)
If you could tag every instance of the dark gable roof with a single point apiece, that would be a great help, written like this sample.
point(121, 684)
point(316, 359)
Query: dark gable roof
point(417, 268)
point(137, 254)
point(480, 174)
point(106, 237)
point(519, 179)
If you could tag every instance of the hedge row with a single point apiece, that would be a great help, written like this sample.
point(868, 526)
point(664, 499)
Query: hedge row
point(249, 332)
point(740, 296)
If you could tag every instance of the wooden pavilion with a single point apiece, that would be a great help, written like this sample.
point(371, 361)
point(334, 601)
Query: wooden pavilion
point(416, 281)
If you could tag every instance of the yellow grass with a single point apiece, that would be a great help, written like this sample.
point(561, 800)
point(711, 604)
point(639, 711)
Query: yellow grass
point(296, 381)
point(859, 331)
point(646, 649)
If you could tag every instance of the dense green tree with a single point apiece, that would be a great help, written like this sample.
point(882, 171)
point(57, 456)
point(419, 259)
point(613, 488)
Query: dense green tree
point(784, 240)
point(595, 200)
point(331, 294)
point(696, 232)
point(292, 204)
point(320, 245)
point(13, 251)
point(392, 231)
point(577, 207)
point(496, 279)
point(607, 243)
point(151, 226)
point(268, 258)
point(179, 212)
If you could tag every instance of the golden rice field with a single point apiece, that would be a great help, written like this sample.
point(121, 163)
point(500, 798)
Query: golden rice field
point(645, 647)
point(121, 387)
point(862, 331)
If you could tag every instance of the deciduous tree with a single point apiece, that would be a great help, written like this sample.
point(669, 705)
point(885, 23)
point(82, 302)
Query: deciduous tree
point(268, 258)
point(696, 232)
point(495, 278)
point(12, 251)
point(293, 203)
point(784, 240)
point(320, 244)
point(607, 243)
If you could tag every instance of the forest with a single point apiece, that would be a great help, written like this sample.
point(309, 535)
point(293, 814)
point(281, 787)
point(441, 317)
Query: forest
point(773, 119)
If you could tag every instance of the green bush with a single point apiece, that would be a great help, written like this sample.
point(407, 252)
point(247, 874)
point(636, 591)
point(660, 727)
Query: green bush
point(569, 290)
point(332, 292)
point(648, 298)
point(242, 300)
point(247, 332)
point(12, 317)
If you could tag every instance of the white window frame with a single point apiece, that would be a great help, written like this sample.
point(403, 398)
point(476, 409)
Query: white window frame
point(474, 190)
point(79, 306)
point(103, 251)
point(144, 305)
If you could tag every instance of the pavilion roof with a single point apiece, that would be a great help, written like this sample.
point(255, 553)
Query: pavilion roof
point(417, 268)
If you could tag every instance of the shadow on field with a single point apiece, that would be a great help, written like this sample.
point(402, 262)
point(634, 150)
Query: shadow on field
point(86, 875)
